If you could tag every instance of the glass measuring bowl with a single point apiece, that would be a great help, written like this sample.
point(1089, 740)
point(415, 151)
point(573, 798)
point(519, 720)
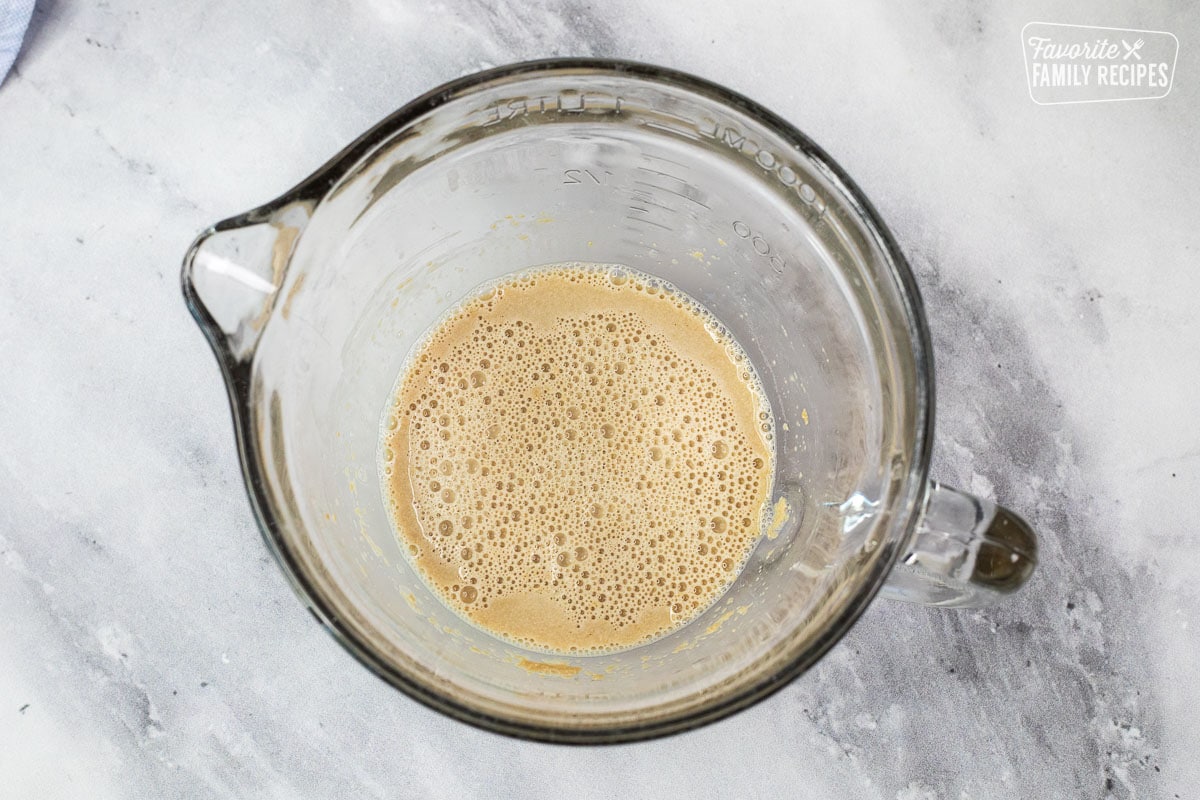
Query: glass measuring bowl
point(312, 302)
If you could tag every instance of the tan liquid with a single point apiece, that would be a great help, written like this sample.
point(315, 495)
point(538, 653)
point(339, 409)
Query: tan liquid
point(577, 459)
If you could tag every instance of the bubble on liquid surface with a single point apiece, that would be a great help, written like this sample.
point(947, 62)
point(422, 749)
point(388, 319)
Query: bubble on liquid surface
point(589, 425)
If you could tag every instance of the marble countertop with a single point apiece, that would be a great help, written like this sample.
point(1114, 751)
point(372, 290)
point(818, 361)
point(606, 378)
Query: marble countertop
point(149, 646)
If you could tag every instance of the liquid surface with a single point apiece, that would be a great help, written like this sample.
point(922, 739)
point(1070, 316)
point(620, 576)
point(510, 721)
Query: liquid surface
point(577, 459)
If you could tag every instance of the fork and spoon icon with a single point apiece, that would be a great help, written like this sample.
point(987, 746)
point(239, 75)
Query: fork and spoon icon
point(1132, 49)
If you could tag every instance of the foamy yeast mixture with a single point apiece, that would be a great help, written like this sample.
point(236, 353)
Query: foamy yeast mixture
point(578, 458)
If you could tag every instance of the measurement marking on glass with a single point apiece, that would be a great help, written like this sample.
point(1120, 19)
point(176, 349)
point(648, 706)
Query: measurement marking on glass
point(759, 245)
point(645, 221)
point(661, 158)
point(664, 174)
point(645, 199)
point(658, 126)
point(578, 176)
point(672, 191)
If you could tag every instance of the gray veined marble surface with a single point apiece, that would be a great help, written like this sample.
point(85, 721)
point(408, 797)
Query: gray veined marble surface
point(149, 646)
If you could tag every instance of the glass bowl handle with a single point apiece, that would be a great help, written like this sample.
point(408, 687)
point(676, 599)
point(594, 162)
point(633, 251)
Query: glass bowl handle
point(965, 551)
